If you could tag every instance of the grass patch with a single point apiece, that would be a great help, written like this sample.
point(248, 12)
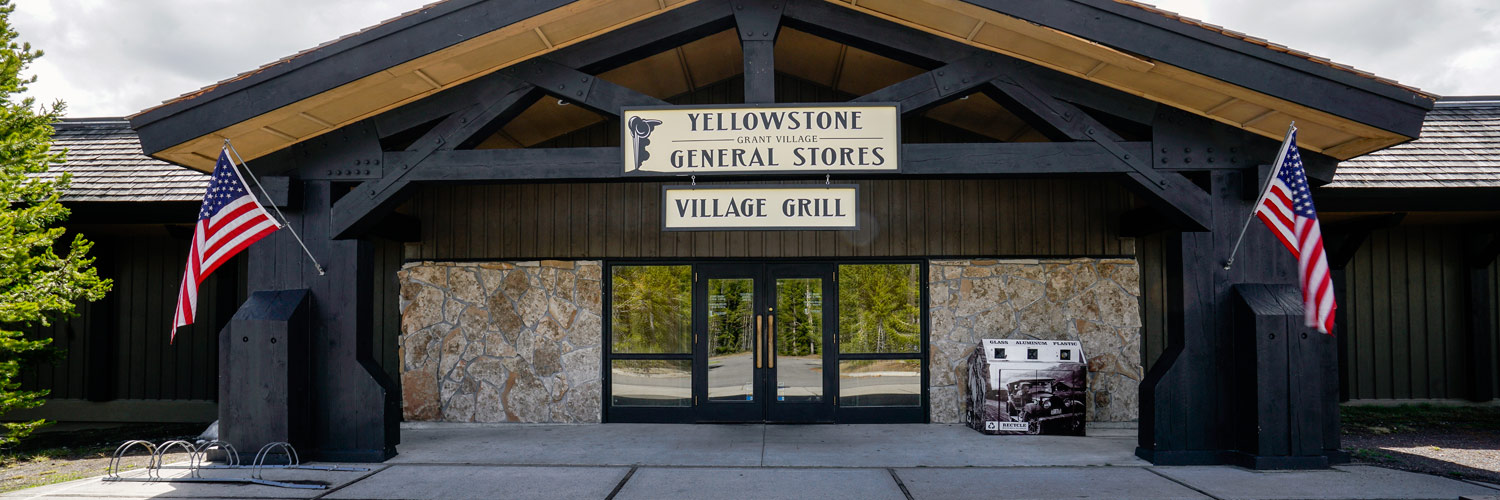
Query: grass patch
point(1405, 418)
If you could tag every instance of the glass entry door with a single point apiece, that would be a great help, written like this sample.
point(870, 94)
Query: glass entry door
point(764, 335)
point(766, 342)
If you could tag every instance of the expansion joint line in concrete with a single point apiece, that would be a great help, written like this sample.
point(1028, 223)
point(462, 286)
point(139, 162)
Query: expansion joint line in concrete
point(900, 484)
point(623, 480)
point(1184, 485)
point(373, 471)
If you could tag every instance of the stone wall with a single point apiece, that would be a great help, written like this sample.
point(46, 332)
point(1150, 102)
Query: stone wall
point(501, 342)
point(1095, 301)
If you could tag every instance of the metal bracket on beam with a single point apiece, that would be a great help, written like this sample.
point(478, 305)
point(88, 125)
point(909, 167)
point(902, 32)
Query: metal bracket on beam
point(358, 170)
point(758, 20)
point(570, 84)
point(1073, 122)
point(1135, 162)
point(963, 75)
point(579, 87)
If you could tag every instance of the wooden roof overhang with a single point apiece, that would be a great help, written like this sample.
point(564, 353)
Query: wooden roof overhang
point(1232, 79)
point(604, 54)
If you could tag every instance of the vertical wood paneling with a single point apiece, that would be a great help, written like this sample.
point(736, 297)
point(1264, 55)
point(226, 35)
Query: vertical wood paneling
point(146, 267)
point(1406, 330)
point(905, 218)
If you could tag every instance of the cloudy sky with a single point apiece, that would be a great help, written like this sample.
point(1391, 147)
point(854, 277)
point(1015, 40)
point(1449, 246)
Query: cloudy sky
point(117, 57)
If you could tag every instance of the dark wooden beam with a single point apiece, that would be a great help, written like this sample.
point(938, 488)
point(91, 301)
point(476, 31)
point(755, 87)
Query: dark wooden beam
point(937, 86)
point(648, 37)
point(1374, 199)
point(758, 22)
point(886, 38)
point(378, 196)
point(490, 165)
point(1014, 158)
point(1241, 62)
point(1177, 198)
point(578, 87)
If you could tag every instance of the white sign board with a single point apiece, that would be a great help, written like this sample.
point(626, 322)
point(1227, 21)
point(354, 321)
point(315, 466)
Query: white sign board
point(768, 138)
point(772, 207)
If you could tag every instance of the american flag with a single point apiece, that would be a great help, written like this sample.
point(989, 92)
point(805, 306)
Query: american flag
point(1287, 208)
point(230, 220)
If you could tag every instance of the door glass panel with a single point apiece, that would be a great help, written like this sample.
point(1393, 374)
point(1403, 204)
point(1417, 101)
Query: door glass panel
point(731, 339)
point(799, 339)
point(879, 308)
point(651, 382)
point(651, 309)
point(880, 382)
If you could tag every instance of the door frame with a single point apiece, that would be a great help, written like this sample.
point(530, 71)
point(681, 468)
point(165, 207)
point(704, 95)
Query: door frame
point(694, 412)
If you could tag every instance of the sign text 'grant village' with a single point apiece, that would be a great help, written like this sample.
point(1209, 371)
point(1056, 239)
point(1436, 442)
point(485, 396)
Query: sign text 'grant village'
point(782, 139)
point(739, 207)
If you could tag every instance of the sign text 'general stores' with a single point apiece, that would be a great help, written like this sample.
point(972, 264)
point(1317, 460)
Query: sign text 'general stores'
point(706, 208)
point(719, 140)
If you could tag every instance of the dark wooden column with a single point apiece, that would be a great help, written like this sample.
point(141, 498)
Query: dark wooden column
point(1189, 397)
point(758, 22)
point(354, 407)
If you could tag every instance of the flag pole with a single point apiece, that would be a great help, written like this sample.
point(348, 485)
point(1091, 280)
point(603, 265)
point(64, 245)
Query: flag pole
point(230, 146)
point(1265, 189)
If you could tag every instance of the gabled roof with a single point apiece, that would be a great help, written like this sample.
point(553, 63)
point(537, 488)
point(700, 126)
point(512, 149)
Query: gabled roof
point(104, 155)
point(1195, 66)
point(1459, 148)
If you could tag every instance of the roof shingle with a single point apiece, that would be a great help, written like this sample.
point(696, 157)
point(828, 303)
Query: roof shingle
point(1459, 147)
point(104, 155)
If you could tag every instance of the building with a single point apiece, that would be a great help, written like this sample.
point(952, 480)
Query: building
point(1415, 227)
point(116, 363)
point(1060, 170)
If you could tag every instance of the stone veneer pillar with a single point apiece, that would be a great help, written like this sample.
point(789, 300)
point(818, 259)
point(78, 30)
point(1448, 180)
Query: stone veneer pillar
point(501, 342)
point(1095, 301)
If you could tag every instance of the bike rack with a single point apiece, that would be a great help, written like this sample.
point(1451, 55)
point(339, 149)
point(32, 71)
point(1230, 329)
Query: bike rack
point(197, 458)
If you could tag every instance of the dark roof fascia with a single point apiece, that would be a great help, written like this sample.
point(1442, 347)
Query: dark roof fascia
point(1350, 199)
point(307, 74)
point(1259, 68)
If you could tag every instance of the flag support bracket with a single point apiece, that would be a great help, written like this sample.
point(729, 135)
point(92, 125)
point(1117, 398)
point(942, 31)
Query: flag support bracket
point(230, 146)
point(1264, 190)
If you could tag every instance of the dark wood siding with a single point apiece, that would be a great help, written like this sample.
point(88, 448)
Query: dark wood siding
point(981, 218)
point(1152, 260)
point(387, 308)
point(1495, 320)
point(119, 348)
point(1406, 295)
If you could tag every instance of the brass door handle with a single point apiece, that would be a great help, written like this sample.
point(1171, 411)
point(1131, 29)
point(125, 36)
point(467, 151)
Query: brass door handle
point(771, 341)
point(757, 341)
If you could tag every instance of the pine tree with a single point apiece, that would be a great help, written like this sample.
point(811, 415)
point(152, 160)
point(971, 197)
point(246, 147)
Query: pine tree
point(37, 285)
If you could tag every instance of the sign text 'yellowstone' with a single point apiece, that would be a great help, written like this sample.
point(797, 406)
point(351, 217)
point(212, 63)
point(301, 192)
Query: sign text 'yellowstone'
point(738, 140)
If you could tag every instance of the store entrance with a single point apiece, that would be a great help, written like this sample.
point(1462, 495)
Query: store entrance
point(770, 342)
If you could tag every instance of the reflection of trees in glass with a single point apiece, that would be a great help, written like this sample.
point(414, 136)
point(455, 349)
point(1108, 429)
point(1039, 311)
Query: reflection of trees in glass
point(799, 317)
point(652, 309)
point(729, 309)
point(878, 308)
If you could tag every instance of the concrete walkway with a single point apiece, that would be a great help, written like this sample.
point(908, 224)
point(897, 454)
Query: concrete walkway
point(725, 462)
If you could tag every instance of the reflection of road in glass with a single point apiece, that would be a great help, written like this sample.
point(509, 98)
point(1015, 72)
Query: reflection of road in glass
point(799, 377)
point(656, 386)
point(731, 376)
